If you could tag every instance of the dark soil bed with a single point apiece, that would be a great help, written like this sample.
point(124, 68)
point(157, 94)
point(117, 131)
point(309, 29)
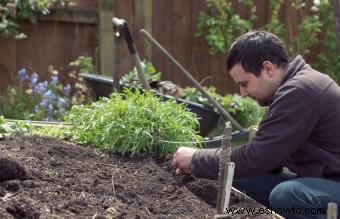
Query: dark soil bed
point(48, 178)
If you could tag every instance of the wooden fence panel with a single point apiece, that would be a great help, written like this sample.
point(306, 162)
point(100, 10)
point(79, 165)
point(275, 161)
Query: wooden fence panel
point(181, 39)
point(49, 42)
point(200, 51)
point(162, 28)
point(123, 10)
point(7, 62)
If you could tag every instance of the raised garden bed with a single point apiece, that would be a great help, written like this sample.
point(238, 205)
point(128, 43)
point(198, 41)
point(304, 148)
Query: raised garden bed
point(65, 180)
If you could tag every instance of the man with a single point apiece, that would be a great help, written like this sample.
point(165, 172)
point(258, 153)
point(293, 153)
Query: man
point(301, 131)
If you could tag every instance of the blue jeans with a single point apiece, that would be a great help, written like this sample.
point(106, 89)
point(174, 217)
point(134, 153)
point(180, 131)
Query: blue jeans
point(292, 196)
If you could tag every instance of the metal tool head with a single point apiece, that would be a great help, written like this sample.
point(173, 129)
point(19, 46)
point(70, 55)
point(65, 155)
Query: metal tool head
point(118, 26)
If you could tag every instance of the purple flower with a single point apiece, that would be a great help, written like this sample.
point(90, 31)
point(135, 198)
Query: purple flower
point(48, 118)
point(50, 96)
point(54, 80)
point(67, 89)
point(62, 103)
point(22, 74)
point(34, 79)
point(41, 87)
point(50, 108)
point(43, 103)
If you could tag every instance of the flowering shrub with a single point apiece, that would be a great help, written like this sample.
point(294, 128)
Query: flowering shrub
point(43, 100)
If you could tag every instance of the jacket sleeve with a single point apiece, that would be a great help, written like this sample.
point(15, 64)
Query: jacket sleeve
point(205, 163)
point(289, 122)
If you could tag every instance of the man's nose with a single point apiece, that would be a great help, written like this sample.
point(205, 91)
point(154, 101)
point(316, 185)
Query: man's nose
point(243, 92)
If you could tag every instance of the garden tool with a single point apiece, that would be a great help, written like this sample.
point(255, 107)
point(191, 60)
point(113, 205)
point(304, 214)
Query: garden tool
point(226, 173)
point(219, 108)
point(121, 29)
point(332, 210)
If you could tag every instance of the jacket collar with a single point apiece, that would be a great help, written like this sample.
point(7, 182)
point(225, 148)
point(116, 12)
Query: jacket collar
point(294, 66)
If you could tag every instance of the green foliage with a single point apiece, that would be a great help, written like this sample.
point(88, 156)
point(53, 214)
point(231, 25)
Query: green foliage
point(82, 93)
point(15, 103)
point(329, 60)
point(193, 95)
point(84, 64)
point(274, 25)
point(12, 12)
point(151, 75)
point(14, 127)
point(129, 122)
point(309, 30)
point(221, 24)
point(35, 99)
point(245, 110)
point(51, 131)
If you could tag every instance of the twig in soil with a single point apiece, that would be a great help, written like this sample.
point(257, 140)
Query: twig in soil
point(65, 211)
point(113, 187)
point(8, 196)
point(94, 216)
point(147, 210)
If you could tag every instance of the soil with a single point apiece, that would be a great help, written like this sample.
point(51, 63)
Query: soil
point(49, 178)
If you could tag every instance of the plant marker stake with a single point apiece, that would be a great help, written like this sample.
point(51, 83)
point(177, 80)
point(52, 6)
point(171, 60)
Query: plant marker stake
point(332, 210)
point(218, 106)
point(226, 173)
point(158, 143)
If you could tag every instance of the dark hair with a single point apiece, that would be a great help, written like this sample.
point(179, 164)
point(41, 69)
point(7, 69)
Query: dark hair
point(253, 48)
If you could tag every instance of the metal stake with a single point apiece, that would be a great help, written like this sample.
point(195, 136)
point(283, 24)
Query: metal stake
point(332, 210)
point(226, 173)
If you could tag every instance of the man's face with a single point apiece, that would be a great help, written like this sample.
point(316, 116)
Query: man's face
point(260, 89)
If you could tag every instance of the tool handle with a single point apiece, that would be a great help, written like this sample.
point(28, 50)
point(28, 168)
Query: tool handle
point(121, 29)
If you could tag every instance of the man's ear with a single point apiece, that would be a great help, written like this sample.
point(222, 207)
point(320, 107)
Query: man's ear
point(269, 69)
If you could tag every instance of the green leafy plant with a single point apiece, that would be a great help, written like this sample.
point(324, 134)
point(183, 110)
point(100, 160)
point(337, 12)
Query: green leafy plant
point(16, 104)
point(84, 64)
point(245, 110)
point(14, 127)
point(51, 131)
point(151, 74)
point(130, 122)
point(82, 93)
point(329, 60)
point(193, 95)
point(221, 25)
point(12, 12)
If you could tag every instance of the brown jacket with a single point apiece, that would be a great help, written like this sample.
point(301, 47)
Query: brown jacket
point(300, 131)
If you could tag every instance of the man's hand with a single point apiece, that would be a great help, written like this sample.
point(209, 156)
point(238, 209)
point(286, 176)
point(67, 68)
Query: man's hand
point(182, 160)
